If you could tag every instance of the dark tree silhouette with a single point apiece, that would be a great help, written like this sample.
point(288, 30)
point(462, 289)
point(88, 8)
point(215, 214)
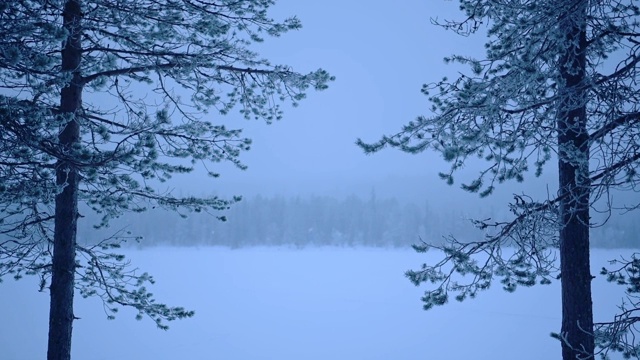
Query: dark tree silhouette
point(558, 82)
point(103, 100)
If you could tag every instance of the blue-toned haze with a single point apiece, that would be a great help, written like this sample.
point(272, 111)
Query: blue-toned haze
point(324, 303)
point(381, 55)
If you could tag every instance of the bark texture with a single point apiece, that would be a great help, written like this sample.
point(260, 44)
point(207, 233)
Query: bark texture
point(574, 185)
point(66, 204)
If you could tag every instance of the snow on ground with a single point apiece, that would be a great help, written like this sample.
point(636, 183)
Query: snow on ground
point(274, 303)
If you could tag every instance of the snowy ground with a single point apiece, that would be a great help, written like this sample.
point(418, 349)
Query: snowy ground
point(284, 304)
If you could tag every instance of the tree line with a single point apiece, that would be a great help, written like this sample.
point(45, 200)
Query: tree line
point(323, 221)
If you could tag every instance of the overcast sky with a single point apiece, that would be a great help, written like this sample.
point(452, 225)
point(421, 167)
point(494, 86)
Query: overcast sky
point(381, 55)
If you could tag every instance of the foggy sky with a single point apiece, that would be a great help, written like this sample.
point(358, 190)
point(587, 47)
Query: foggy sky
point(381, 56)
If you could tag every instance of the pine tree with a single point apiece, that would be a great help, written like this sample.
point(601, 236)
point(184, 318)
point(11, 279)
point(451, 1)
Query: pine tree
point(558, 82)
point(103, 100)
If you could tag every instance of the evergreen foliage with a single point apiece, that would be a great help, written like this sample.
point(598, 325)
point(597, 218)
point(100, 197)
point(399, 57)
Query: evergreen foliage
point(101, 102)
point(618, 334)
point(557, 83)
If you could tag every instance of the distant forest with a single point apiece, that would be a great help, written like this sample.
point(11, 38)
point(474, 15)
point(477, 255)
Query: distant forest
point(324, 221)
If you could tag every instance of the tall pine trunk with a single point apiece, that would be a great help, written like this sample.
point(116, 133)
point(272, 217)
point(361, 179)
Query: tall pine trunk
point(574, 185)
point(66, 205)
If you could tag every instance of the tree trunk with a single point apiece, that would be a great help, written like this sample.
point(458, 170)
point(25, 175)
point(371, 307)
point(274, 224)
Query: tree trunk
point(66, 207)
point(574, 185)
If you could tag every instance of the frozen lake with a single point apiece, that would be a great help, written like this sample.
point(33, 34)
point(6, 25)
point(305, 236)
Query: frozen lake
point(286, 304)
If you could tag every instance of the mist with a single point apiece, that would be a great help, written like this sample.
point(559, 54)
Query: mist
point(381, 56)
point(300, 285)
